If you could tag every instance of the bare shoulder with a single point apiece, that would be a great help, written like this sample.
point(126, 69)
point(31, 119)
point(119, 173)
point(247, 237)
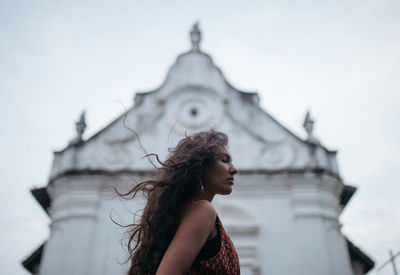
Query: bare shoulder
point(201, 207)
point(201, 212)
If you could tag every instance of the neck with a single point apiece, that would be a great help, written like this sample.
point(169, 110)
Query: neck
point(204, 195)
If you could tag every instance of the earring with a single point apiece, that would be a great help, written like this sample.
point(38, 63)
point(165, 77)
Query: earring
point(201, 186)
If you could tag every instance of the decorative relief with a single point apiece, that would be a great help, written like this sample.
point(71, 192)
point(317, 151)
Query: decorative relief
point(194, 108)
point(277, 156)
point(194, 113)
point(273, 148)
point(119, 153)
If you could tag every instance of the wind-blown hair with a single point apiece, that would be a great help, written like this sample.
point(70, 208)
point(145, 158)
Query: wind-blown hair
point(177, 181)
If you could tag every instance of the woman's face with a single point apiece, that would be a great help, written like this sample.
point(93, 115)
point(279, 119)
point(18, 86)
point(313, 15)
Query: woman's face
point(219, 175)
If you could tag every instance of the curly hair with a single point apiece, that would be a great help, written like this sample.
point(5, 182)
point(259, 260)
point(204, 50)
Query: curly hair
point(177, 181)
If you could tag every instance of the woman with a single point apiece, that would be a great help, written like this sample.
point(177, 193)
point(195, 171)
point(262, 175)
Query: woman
point(180, 232)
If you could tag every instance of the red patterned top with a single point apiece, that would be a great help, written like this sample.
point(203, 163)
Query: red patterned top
point(225, 262)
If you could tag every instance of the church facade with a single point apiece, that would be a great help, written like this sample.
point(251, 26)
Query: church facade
point(282, 215)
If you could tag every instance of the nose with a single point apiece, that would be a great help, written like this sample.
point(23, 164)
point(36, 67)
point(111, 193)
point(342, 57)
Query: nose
point(233, 170)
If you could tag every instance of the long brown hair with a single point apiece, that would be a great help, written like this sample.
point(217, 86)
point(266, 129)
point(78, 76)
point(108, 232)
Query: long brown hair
point(176, 182)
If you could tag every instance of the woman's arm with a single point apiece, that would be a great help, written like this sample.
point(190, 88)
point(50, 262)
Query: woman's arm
point(196, 227)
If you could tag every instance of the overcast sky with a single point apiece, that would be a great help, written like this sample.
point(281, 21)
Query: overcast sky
point(341, 59)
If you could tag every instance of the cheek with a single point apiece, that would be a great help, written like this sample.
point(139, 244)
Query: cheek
point(208, 175)
point(215, 174)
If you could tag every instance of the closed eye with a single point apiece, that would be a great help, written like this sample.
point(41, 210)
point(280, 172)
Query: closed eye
point(226, 158)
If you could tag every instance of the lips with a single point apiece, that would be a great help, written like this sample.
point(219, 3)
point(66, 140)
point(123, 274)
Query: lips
point(230, 180)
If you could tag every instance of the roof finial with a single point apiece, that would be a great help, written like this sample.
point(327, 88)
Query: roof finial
point(195, 37)
point(308, 125)
point(80, 127)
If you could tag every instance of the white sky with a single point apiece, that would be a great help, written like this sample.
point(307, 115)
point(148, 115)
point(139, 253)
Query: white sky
point(339, 58)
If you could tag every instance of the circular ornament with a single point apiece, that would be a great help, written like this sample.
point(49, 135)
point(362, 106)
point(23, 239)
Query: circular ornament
point(194, 109)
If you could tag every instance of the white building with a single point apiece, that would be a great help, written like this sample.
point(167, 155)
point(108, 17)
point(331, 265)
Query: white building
point(282, 215)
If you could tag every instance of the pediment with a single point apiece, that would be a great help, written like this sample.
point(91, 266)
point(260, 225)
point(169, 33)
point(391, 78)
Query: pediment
point(194, 96)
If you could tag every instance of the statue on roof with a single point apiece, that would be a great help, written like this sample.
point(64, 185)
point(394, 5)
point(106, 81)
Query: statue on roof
point(312, 141)
point(195, 37)
point(308, 125)
point(80, 127)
